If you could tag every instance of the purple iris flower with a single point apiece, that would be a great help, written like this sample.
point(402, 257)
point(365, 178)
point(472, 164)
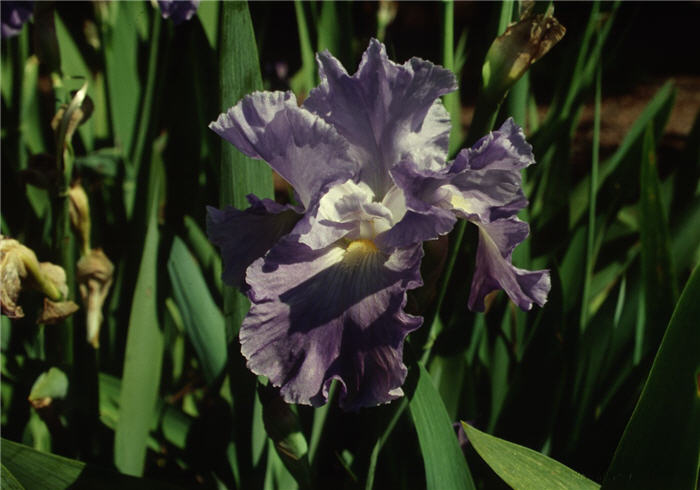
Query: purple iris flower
point(178, 10)
point(327, 278)
point(14, 15)
point(483, 185)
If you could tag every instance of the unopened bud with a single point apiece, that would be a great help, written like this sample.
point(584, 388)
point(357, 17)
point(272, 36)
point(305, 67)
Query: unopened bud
point(94, 275)
point(80, 214)
point(386, 13)
point(512, 53)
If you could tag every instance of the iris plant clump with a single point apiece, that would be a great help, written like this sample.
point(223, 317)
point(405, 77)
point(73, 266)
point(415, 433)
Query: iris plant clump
point(328, 277)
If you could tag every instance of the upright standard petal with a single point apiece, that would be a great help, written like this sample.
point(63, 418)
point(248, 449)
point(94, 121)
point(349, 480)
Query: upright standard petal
point(494, 269)
point(335, 313)
point(385, 110)
point(244, 236)
point(305, 150)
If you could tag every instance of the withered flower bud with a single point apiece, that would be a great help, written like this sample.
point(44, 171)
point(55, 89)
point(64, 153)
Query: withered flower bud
point(72, 123)
point(56, 311)
point(19, 263)
point(94, 275)
point(512, 53)
point(70, 116)
point(56, 276)
point(12, 270)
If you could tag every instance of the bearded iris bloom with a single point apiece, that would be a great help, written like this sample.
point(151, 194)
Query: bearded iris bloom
point(327, 278)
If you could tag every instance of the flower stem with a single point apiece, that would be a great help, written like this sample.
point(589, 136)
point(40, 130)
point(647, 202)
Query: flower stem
point(590, 238)
point(59, 340)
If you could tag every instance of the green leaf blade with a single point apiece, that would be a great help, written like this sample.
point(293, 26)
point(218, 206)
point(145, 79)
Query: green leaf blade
point(658, 273)
point(661, 443)
point(8, 479)
point(203, 321)
point(121, 62)
point(36, 470)
point(445, 466)
point(142, 360)
point(523, 468)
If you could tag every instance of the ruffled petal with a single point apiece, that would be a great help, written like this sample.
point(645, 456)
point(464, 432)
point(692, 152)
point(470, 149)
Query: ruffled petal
point(305, 150)
point(244, 236)
point(485, 181)
point(425, 218)
point(336, 313)
point(346, 211)
point(494, 269)
point(417, 228)
point(385, 110)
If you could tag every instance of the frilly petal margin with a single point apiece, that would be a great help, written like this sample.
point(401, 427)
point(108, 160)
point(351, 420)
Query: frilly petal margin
point(426, 218)
point(494, 269)
point(320, 315)
point(487, 177)
point(244, 236)
point(385, 110)
point(305, 150)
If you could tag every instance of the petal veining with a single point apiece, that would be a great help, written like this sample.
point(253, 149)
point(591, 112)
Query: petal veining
point(335, 313)
point(385, 110)
point(305, 150)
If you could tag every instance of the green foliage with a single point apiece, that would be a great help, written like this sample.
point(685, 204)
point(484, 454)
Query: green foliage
point(25, 468)
point(144, 351)
point(658, 273)
point(168, 395)
point(445, 467)
point(203, 321)
point(661, 442)
point(523, 468)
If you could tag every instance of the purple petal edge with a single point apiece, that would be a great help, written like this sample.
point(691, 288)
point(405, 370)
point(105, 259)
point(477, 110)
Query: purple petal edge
point(494, 269)
point(244, 236)
point(317, 316)
point(305, 150)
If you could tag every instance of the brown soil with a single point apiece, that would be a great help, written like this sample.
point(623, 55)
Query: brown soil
point(618, 114)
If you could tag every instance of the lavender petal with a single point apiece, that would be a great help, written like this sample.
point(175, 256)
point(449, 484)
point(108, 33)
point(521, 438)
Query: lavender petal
point(244, 236)
point(320, 315)
point(494, 269)
point(304, 149)
point(385, 110)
